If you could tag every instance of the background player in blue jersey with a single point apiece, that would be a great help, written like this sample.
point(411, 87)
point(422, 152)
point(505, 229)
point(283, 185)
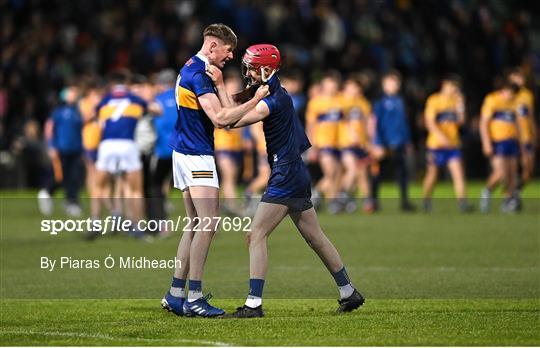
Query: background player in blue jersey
point(202, 105)
point(289, 187)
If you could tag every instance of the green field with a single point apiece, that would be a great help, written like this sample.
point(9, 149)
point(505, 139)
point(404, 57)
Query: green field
point(437, 279)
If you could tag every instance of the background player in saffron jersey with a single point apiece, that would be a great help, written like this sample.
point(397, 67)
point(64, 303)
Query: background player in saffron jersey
point(289, 187)
point(444, 114)
point(527, 124)
point(499, 129)
point(354, 142)
point(324, 112)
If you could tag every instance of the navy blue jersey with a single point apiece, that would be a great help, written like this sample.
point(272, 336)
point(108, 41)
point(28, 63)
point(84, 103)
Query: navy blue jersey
point(283, 132)
point(67, 129)
point(194, 131)
point(392, 128)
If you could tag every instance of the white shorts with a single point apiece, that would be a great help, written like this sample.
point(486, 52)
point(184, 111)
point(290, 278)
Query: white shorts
point(194, 170)
point(117, 156)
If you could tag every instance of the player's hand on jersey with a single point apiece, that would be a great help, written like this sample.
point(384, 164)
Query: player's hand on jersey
point(215, 74)
point(262, 92)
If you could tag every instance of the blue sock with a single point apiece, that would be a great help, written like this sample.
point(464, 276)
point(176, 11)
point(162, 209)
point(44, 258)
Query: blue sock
point(254, 298)
point(178, 287)
point(256, 287)
point(341, 277)
point(178, 283)
point(195, 290)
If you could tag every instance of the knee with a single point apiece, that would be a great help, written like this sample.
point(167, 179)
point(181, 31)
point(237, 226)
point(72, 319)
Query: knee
point(255, 237)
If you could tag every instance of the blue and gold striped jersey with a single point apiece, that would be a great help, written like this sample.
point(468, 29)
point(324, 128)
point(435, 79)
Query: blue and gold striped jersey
point(118, 114)
point(194, 131)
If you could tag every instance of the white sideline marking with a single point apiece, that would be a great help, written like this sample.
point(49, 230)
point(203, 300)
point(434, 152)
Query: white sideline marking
point(107, 337)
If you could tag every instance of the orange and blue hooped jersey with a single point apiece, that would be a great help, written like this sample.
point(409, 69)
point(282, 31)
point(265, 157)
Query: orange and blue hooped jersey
point(443, 110)
point(324, 114)
point(502, 117)
point(118, 113)
point(353, 128)
point(228, 139)
point(525, 106)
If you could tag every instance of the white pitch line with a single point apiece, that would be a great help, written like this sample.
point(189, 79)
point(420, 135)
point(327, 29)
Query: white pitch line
point(107, 337)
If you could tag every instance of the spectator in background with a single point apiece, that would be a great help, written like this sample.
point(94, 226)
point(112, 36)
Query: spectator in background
point(392, 138)
point(161, 160)
point(64, 139)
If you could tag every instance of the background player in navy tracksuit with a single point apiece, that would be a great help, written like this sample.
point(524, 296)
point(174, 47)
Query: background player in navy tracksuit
point(65, 150)
point(392, 138)
point(289, 187)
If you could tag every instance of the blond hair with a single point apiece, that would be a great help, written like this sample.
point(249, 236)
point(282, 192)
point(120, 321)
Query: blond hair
point(222, 32)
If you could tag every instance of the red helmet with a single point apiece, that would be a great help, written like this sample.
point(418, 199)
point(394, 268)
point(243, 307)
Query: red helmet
point(262, 55)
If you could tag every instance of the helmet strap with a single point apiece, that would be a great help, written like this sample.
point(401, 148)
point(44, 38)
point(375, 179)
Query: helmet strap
point(264, 78)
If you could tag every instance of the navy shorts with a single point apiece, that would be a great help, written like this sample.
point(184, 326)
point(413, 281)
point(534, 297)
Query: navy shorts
point(290, 185)
point(506, 148)
point(332, 151)
point(237, 156)
point(91, 155)
point(528, 148)
point(358, 152)
point(441, 157)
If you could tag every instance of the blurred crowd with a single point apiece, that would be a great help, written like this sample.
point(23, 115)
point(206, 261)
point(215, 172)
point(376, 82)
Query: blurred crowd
point(48, 46)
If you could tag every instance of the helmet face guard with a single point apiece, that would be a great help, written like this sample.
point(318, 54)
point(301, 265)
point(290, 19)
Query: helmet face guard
point(259, 58)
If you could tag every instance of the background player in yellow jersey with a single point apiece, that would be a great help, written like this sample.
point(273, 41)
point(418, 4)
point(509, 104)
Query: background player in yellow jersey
point(527, 124)
point(228, 150)
point(444, 113)
point(500, 134)
point(323, 115)
point(353, 142)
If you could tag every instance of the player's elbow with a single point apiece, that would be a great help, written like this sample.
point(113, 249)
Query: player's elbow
point(220, 120)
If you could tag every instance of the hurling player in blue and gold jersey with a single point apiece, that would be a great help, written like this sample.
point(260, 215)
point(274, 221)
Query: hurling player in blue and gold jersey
point(499, 129)
point(323, 116)
point(527, 124)
point(444, 114)
point(202, 105)
point(118, 154)
point(289, 187)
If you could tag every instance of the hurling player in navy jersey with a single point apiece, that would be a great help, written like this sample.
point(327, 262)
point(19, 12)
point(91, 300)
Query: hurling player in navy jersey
point(201, 105)
point(289, 187)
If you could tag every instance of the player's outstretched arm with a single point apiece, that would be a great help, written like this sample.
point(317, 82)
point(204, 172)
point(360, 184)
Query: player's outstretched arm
point(260, 112)
point(222, 117)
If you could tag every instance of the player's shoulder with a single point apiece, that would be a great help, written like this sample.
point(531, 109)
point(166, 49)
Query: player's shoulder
point(434, 98)
point(491, 97)
point(525, 94)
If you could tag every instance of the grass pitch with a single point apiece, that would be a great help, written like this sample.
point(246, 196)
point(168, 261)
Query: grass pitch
point(438, 279)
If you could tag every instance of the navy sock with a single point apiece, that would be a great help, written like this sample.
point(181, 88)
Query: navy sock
point(195, 285)
point(178, 283)
point(256, 287)
point(341, 277)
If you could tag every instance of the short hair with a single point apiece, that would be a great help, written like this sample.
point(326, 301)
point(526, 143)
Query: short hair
point(333, 74)
point(453, 79)
point(393, 74)
point(119, 77)
point(222, 32)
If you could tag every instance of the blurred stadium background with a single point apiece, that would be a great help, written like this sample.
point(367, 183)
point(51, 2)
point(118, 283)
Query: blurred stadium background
point(46, 44)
